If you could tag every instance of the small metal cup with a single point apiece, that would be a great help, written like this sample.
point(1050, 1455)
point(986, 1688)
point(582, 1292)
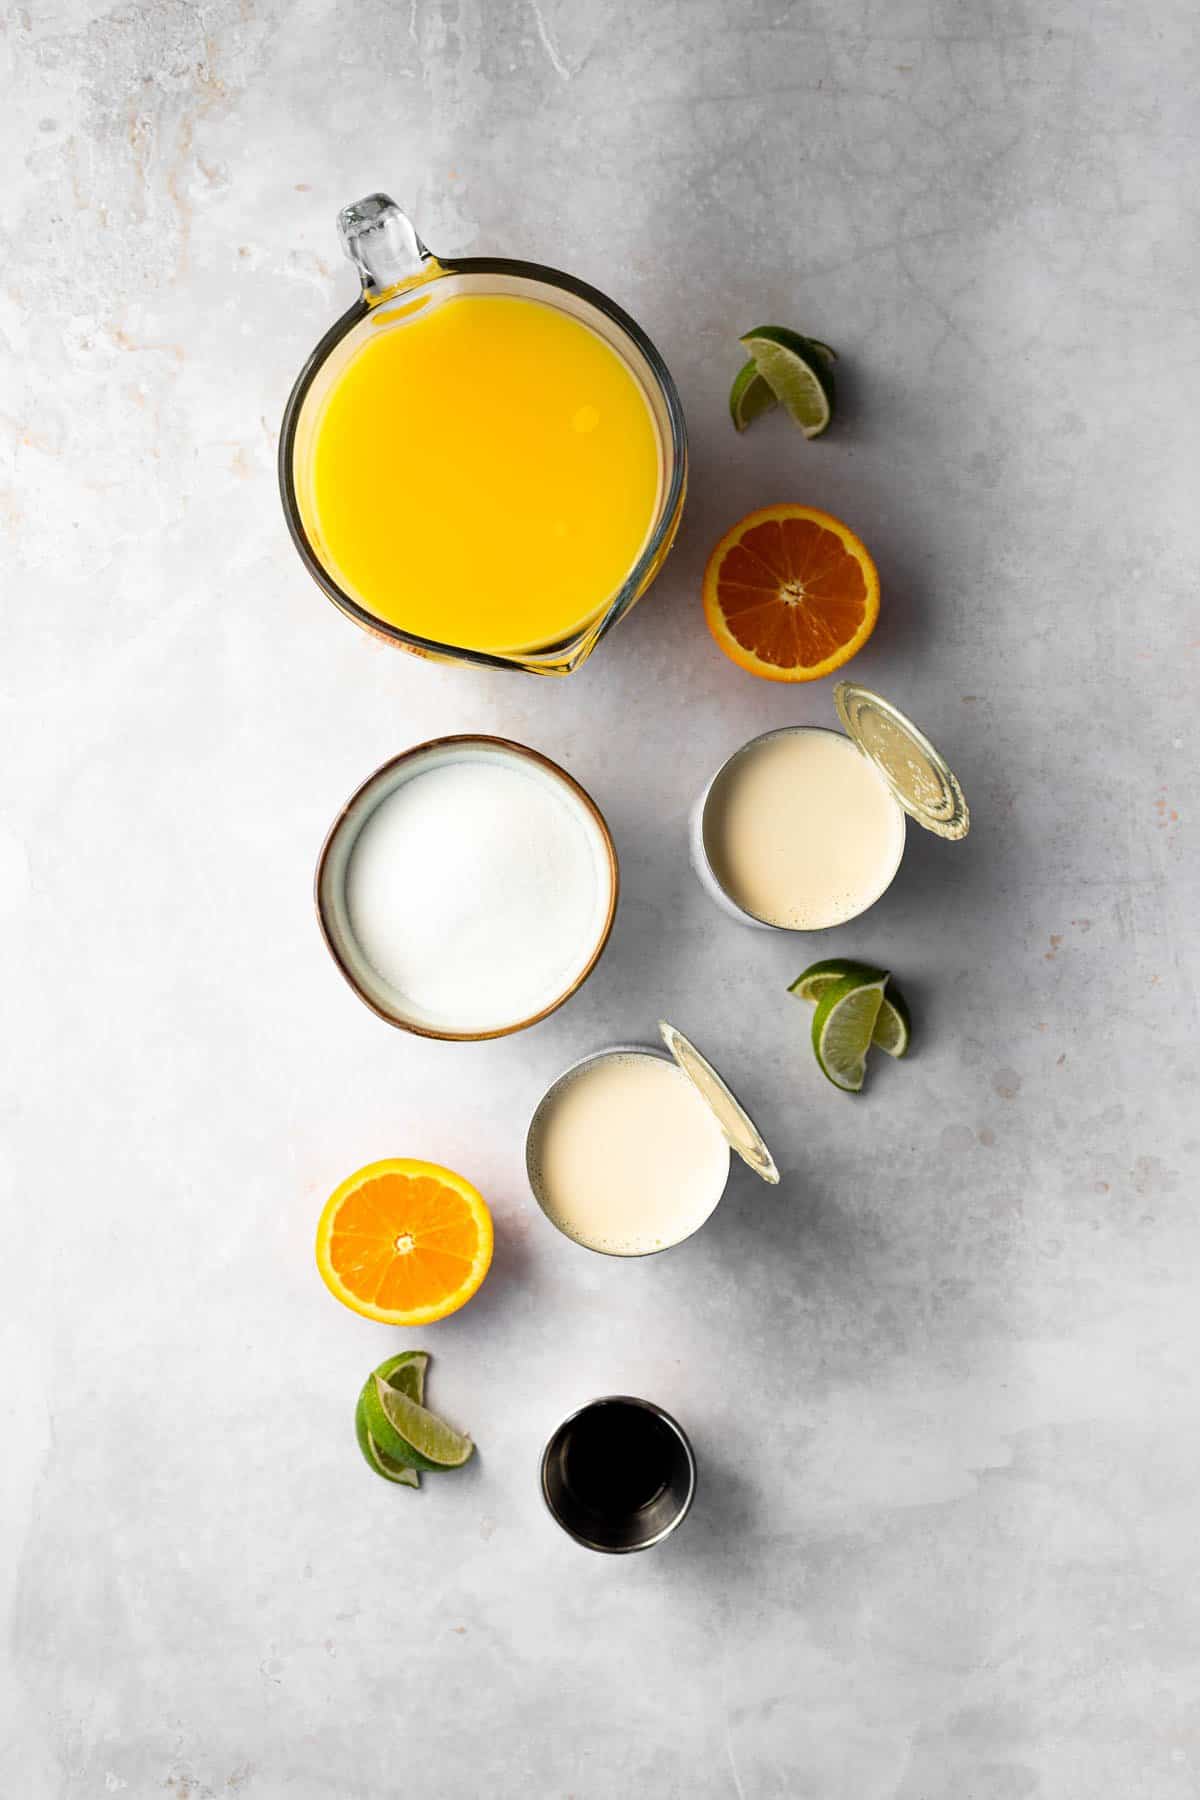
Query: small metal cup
point(619, 1529)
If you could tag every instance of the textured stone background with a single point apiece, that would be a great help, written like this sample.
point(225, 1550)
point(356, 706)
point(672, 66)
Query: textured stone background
point(943, 1383)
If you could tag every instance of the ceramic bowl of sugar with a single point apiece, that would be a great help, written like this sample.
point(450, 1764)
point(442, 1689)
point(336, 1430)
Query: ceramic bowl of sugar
point(467, 888)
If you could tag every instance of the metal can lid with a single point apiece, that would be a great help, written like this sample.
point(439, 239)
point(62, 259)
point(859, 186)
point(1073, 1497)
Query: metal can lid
point(918, 775)
point(738, 1127)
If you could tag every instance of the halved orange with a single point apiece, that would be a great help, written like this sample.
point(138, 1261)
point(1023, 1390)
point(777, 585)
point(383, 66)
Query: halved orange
point(404, 1242)
point(790, 593)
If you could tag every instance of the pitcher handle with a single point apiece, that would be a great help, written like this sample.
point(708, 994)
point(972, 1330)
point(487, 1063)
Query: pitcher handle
point(383, 244)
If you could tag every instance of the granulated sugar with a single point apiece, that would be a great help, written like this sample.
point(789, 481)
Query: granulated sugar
point(478, 890)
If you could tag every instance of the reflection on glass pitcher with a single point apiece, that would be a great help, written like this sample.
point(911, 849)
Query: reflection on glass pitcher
point(483, 460)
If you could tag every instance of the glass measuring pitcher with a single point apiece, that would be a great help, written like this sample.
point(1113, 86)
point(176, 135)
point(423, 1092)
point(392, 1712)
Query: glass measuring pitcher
point(406, 498)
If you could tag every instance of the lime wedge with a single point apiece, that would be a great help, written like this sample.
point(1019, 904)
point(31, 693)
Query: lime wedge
point(408, 1433)
point(893, 1027)
point(750, 396)
point(387, 1466)
point(406, 1373)
point(842, 1027)
point(798, 372)
point(822, 975)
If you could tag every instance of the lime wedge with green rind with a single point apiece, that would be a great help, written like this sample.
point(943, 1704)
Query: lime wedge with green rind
point(822, 975)
point(408, 1432)
point(842, 1028)
point(893, 1027)
point(406, 1373)
point(750, 396)
point(798, 372)
point(387, 1466)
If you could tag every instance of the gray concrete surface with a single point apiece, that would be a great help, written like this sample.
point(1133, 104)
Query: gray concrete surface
point(942, 1384)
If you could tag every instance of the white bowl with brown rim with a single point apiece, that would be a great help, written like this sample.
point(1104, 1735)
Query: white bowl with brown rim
point(467, 888)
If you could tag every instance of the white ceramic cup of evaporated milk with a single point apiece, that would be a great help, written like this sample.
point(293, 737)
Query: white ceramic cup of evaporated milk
point(804, 828)
point(628, 1152)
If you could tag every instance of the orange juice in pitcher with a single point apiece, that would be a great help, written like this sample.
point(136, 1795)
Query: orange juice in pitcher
point(484, 459)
